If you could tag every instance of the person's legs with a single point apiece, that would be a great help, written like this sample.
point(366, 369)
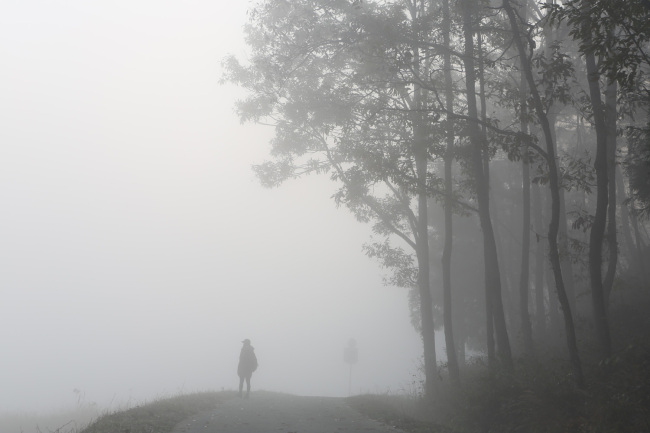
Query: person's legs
point(241, 384)
point(248, 385)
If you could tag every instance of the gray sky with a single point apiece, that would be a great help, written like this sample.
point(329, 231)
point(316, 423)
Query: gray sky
point(136, 247)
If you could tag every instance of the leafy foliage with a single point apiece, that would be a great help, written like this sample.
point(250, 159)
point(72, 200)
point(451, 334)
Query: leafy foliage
point(619, 32)
point(556, 75)
point(338, 80)
point(406, 273)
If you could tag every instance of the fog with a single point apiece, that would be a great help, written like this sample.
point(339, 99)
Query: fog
point(138, 248)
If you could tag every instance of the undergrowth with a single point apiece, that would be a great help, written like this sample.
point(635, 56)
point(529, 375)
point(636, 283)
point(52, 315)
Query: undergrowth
point(540, 396)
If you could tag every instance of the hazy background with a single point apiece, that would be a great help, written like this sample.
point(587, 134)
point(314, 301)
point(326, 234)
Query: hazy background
point(137, 249)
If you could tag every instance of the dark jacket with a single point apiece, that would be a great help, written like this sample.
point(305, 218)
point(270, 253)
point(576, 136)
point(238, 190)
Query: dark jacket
point(247, 361)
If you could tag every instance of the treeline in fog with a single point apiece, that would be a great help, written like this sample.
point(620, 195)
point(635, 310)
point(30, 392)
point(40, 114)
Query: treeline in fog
point(499, 149)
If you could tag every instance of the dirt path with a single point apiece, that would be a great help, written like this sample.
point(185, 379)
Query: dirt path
point(281, 413)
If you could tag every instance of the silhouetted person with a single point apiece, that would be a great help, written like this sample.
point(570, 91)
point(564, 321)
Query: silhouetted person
point(247, 365)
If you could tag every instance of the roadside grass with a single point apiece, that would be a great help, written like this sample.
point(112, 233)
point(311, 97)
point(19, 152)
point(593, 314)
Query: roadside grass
point(160, 416)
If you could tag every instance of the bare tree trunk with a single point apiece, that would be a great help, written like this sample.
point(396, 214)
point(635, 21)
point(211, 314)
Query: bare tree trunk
point(565, 250)
point(550, 34)
point(640, 247)
point(489, 327)
point(524, 278)
point(422, 244)
point(540, 305)
point(462, 353)
point(524, 315)
point(489, 313)
point(492, 274)
point(555, 198)
point(597, 232)
point(634, 260)
point(504, 249)
point(555, 311)
point(452, 359)
point(482, 98)
point(421, 156)
point(612, 242)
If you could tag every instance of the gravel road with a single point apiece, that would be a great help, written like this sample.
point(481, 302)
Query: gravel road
point(281, 413)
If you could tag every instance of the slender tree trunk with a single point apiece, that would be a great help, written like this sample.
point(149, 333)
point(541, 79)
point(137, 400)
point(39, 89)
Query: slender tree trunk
point(563, 234)
point(426, 303)
point(452, 359)
point(563, 243)
point(504, 249)
point(492, 275)
point(634, 260)
point(596, 235)
point(524, 278)
point(555, 311)
point(540, 305)
point(489, 327)
point(550, 33)
point(420, 153)
point(482, 99)
point(555, 198)
point(612, 242)
point(460, 338)
point(489, 313)
point(565, 250)
point(640, 244)
point(422, 246)
point(640, 247)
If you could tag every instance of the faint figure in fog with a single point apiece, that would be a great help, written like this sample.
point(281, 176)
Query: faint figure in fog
point(247, 365)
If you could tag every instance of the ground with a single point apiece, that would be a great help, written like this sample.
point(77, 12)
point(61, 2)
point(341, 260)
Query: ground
point(271, 412)
point(226, 412)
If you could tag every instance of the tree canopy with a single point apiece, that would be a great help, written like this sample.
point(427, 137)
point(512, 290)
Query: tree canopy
point(525, 124)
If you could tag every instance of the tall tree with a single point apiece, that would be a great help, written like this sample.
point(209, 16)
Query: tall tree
point(450, 138)
point(597, 233)
point(421, 156)
point(524, 289)
point(612, 203)
point(494, 303)
point(335, 79)
point(555, 195)
point(617, 35)
point(552, 36)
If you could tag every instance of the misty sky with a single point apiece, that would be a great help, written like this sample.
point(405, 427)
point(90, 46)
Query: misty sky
point(137, 249)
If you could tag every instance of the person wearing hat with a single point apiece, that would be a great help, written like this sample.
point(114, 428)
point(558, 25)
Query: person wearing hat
point(247, 365)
